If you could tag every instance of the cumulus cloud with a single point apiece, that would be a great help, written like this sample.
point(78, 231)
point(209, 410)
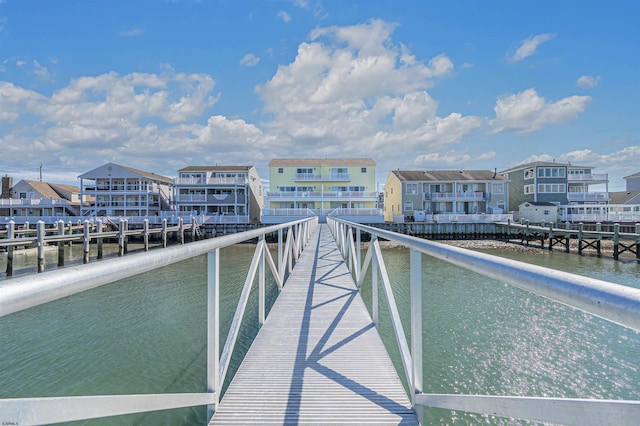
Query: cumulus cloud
point(527, 111)
point(284, 16)
point(529, 46)
point(249, 60)
point(134, 32)
point(587, 82)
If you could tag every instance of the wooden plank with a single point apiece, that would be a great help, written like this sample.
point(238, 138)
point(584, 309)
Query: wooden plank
point(318, 358)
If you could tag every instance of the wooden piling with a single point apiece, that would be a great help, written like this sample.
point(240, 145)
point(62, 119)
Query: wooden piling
point(180, 231)
point(146, 234)
point(60, 224)
point(40, 238)
point(580, 236)
point(121, 238)
point(616, 241)
point(164, 232)
point(10, 234)
point(86, 240)
point(99, 239)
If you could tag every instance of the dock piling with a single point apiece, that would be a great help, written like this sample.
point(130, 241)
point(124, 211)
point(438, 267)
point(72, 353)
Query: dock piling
point(10, 234)
point(86, 240)
point(60, 224)
point(40, 237)
point(146, 234)
point(99, 239)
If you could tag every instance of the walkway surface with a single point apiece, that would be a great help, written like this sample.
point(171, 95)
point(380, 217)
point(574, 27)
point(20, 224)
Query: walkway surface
point(318, 359)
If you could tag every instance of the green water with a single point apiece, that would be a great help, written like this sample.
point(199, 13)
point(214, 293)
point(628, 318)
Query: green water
point(147, 334)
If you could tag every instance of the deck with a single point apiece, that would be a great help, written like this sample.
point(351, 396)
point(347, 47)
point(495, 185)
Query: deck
point(318, 359)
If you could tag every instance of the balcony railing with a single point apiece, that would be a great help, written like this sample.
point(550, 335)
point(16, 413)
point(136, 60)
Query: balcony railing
point(27, 202)
point(601, 177)
point(587, 196)
point(324, 177)
point(241, 180)
point(343, 195)
point(449, 196)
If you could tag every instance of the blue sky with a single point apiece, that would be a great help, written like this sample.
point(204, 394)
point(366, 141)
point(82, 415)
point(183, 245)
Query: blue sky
point(159, 85)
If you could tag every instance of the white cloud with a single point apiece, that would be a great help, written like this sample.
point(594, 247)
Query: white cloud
point(41, 71)
point(487, 156)
point(249, 60)
point(529, 46)
point(134, 32)
point(587, 82)
point(526, 111)
point(284, 16)
point(437, 160)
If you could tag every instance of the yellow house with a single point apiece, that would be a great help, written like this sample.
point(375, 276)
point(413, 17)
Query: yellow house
point(343, 187)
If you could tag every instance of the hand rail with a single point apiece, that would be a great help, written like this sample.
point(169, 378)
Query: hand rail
point(29, 291)
point(612, 302)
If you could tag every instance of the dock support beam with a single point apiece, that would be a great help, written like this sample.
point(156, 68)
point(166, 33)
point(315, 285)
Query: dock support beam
point(99, 230)
point(145, 224)
point(86, 240)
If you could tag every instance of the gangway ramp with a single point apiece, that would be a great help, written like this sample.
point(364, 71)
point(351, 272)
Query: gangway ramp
point(318, 358)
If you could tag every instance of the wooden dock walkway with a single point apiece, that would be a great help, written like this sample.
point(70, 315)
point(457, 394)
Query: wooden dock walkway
point(318, 358)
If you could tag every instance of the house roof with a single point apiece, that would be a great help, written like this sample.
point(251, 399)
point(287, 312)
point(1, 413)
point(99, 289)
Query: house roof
point(635, 175)
point(624, 197)
point(45, 189)
point(152, 176)
point(446, 175)
point(541, 164)
point(539, 203)
point(216, 168)
point(322, 162)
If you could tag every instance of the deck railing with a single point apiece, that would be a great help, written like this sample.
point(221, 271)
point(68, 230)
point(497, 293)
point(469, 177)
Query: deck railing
point(612, 302)
point(26, 292)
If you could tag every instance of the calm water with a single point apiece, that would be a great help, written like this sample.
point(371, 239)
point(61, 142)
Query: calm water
point(147, 335)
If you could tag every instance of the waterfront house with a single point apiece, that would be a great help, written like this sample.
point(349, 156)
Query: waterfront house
point(30, 200)
point(219, 194)
point(445, 195)
point(121, 191)
point(557, 183)
point(341, 187)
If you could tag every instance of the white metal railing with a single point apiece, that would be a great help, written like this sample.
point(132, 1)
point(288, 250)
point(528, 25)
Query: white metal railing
point(323, 194)
point(29, 291)
point(612, 302)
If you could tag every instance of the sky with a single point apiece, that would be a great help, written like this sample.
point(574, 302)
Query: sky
point(159, 85)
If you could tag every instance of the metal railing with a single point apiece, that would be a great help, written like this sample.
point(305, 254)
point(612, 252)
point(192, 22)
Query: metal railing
point(612, 302)
point(30, 291)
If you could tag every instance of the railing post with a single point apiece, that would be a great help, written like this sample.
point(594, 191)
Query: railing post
point(280, 266)
point(60, 224)
point(40, 237)
point(11, 227)
point(374, 280)
point(86, 240)
point(416, 326)
point(261, 289)
point(214, 381)
point(358, 254)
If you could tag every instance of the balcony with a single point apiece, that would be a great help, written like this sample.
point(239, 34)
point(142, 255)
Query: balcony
point(307, 177)
point(587, 196)
point(241, 180)
point(454, 196)
point(214, 200)
point(323, 195)
point(589, 178)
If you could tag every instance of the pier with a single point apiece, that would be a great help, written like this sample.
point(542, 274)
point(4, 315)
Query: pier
point(85, 233)
point(317, 357)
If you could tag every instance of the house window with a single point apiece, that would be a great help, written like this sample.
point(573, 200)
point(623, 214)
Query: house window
point(412, 188)
point(280, 170)
point(304, 171)
point(546, 212)
point(363, 170)
point(553, 188)
point(23, 195)
point(408, 206)
point(551, 172)
point(528, 174)
point(497, 188)
point(528, 189)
